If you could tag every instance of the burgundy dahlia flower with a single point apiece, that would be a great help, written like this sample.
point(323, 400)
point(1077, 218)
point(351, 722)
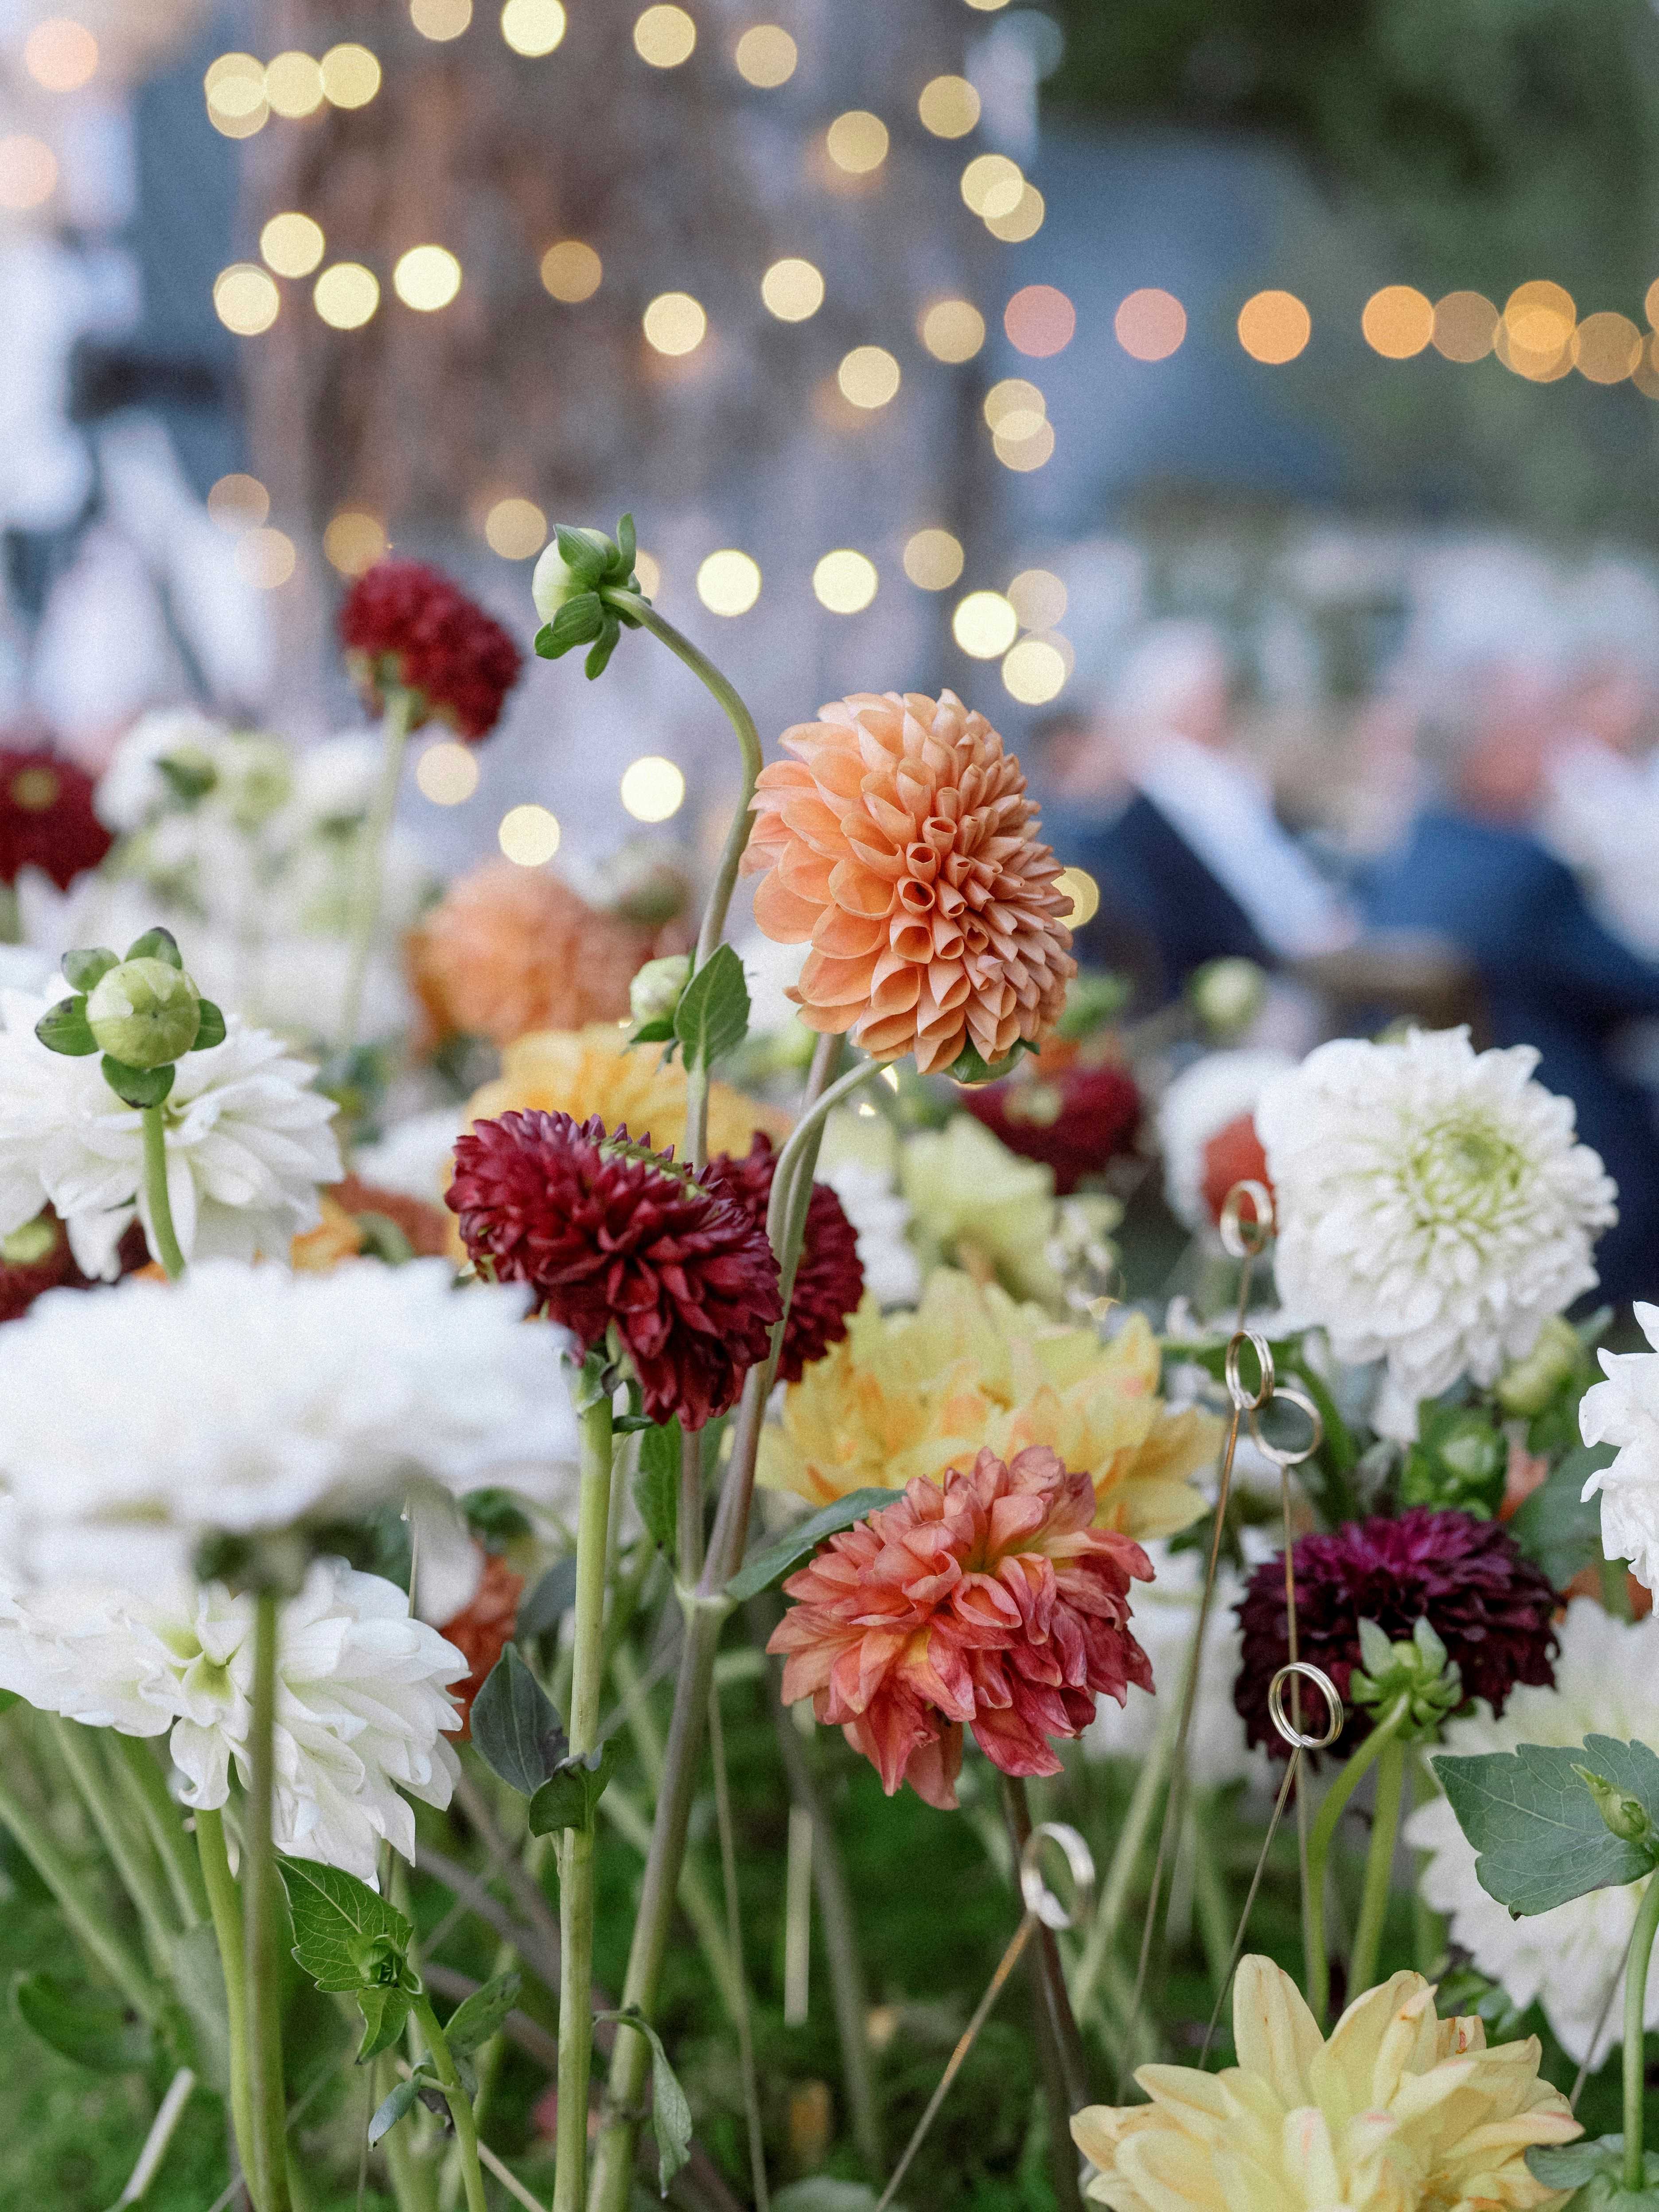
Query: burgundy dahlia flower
point(604, 1230)
point(1491, 1608)
point(830, 1281)
point(1073, 1119)
point(47, 817)
point(404, 625)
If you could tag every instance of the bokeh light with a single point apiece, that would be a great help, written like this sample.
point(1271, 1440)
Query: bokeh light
point(949, 106)
point(1465, 325)
point(351, 75)
point(868, 376)
point(1606, 348)
point(766, 56)
point(932, 559)
point(29, 172)
point(952, 330)
point(1023, 220)
point(264, 558)
point(571, 270)
point(648, 569)
point(446, 773)
point(1080, 887)
point(1015, 407)
point(235, 87)
point(1040, 320)
point(294, 84)
point(1034, 672)
point(60, 54)
point(1650, 303)
point(1150, 324)
point(354, 541)
point(857, 142)
point(1025, 449)
point(528, 835)
point(844, 581)
point(346, 295)
point(664, 37)
point(1038, 597)
point(515, 528)
point(674, 323)
point(292, 245)
point(1646, 376)
point(984, 625)
point(1398, 322)
point(238, 501)
point(992, 184)
point(427, 277)
point(793, 290)
point(245, 298)
point(652, 788)
point(1273, 327)
point(1539, 320)
point(440, 20)
point(728, 582)
point(532, 27)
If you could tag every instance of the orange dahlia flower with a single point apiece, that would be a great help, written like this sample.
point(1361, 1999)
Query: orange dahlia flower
point(898, 842)
point(990, 1603)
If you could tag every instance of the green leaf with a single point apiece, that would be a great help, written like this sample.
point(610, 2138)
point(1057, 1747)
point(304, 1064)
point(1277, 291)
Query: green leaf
point(569, 1796)
point(470, 2025)
point(347, 1937)
point(400, 2103)
point(1597, 2169)
point(655, 1032)
point(64, 1028)
point(765, 1570)
point(137, 1086)
point(584, 559)
point(657, 1483)
point(81, 970)
point(90, 2030)
point(599, 658)
point(1557, 1525)
point(385, 2012)
point(212, 1030)
point(1540, 1837)
point(552, 1599)
point(157, 944)
point(627, 544)
point(712, 1018)
point(494, 1516)
point(516, 1726)
point(543, 644)
point(671, 2114)
point(577, 621)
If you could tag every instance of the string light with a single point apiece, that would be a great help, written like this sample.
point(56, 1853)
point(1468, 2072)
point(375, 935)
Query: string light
point(949, 106)
point(1650, 304)
point(1273, 327)
point(1080, 887)
point(1606, 348)
point(571, 270)
point(992, 184)
point(844, 581)
point(1015, 406)
point(952, 330)
point(1398, 322)
point(515, 528)
point(532, 27)
point(440, 20)
point(1465, 326)
point(351, 75)
point(237, 502)
point(346, 295)
point(294, 85)
point(60, 54)
point(728, 582)
point(528, 835)
point(984, 625)
point(1024, 221)
point(869, 376)
point(292, 245)
point(648, 569)
point(664, 37)
point(793, 290)
point(264, 558)
point(766, 56)
point(674, 323)
point(353, 542)
point(1027, 450)
point(427, 277)
point(652, 788)
point(245, 298)
point(1034, 672)
point(857, 142)
point(1039, 597)
point(446, 773)
point(1150, 324)
point(932, 560)
point(29, 172)
point(235, 87)
point(1040, 320)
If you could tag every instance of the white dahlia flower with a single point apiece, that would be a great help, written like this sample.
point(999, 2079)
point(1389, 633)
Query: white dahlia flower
point(248, 1141)
point(363, 1701)
point(243, 1399)
point(1204, 1099)
point(1624, 1411)
point(1434, 1208)
point(1606, 1683)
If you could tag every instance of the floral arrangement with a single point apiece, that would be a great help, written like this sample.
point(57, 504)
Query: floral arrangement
point(458, 1463)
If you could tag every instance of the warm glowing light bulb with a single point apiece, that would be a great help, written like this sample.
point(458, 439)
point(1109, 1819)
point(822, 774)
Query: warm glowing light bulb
point(728, 582)
point(351, 75)
point(674, 323)
point(264, 558)
point(932, 560)
point(953, 330)
point(346, 295)
point(1273, 327)
point(237, 502)
point(245, 298)
point(235, 89)
point(294, 84)
point(515, 528)
point(354, 541)
point(1606, 348)
point(292, 245)
point(532, 27)
point(447, 773)
point(440, 20)
point(949, 106)
point(1034, 672)
point(766, 56)
point(992, 184)
point(984, 625)
point(1038, 597)
point(60, 54)
point(1080, 887)
point(1150, 324)
point(857, 142)
point(571, 270)
point(1398, 322)
point(427, 277)
point(868, 376)
point(528, 835)
point(1015, 405)
point(793, 290)
point(664, 37)
point(844, 581)
point(1040, 320)
point(1023, 220)
point(652, 788)
point(1465, 325)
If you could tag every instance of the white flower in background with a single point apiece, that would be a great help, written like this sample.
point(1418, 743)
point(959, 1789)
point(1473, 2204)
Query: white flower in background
point(134, 786)
point(1606, 1683)
point(1204, 1099)
point(771, 971)
point(1434, 1208)
point(361, 1701)
point(1623, 1411)
point(881, 1222)
point(246, 1399)
point(248, 1141)
point(413, 1155)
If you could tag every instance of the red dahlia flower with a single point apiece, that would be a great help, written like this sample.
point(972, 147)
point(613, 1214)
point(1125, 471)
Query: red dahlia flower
point(1491, 1607)
point(405, 625)
point(990, 1600)
point(830, 1281)
point(1073, 1118)
point(1234, 1154)
point(607, 1231)
point(47, 817)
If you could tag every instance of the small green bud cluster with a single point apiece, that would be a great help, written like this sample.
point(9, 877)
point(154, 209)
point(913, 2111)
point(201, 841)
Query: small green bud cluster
point(1227, 995)
point(1460, 1458)
point(583, 586)
point(1626, 1817)
point(144, 1013)
point(1528, 1387)
point(1416, 1668)
point(654, 993)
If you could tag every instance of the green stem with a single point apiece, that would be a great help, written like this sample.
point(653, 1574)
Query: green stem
point(413, 2185)
point(156, 1191)
point(1210, 1893)
point(261, 1938)
point(226, 1909)
point(576, 1844)
point(1319, 1845)
point(460, 2105)
point(129, 1855)
point(734, 1937)
point(1636, 2010)
point(1126, 1858)
point(68, 1886)
point(163, 1821)
point(371, 858)
point(1379, 1868)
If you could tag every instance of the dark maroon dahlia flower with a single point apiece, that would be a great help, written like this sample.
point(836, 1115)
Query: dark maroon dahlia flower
point(604, 1230)
point(46, 817)
point(1491, 1608)
point(830, 1281)
point(405, 624)
point(1073, 1118)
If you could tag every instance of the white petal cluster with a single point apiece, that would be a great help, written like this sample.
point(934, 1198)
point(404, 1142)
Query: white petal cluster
point(1434, 1206)
point(1623, 1411)
point(1203, 1100)
point(881, 1222)
point(362, 1702)
point(248, 1142)
point(248, 1399)
point(1606, 1683)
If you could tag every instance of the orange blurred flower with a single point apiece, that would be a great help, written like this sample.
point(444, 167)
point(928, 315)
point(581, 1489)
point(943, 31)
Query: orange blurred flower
point(899, 842)
point(483, 1629)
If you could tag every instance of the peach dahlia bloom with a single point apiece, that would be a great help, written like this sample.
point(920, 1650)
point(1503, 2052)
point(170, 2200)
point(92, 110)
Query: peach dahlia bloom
point(990, 1603)
point(898, 842)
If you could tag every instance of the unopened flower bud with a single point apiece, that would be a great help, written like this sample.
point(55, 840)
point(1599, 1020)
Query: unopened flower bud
point(144, 1013)
point(1227, 995)
point(557, 579)
point(655, 990)
point(1417, 1669)
point(1528, 1387)
point(1626, 1817)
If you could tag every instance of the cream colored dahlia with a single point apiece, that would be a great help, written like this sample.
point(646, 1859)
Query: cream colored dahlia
point(1399, 2112)
point(898, 842)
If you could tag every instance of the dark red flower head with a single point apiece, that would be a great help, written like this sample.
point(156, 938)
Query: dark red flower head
point(830, 1281)
point(604, 1230)
point(47, 817)
point(1073, 1118)
point(405, 624)
point(1491, 1607)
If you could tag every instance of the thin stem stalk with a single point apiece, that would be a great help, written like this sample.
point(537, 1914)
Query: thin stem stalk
point(1319, 1845)
point(129, 1853)
point(734, 1937)
point(1636, 2010)
point(164, 1825)
point(261, 1939)
point(225, 1908)
point(460, 2105)
point(69, 1888)
point(156, 1191)
point(371, 859)
point(1059, 2047)
point(1126, 1857)
point(1379, 1868)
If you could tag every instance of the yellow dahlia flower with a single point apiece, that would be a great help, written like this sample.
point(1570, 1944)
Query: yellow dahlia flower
point(976, 1204)
point(915, 1394)
point(1399, 2112)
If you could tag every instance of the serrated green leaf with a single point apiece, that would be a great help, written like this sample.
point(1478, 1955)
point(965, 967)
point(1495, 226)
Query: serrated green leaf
point(385, 2013)
point(1539, 1838)
point(1558, 1526)
point(64, 1028)
point(87, 2029)
point(552, 1599)
point(397, 2106)
point(470, 2025)
point(570, 1795)
point(516, 1726)
point(84, 970)
point(671, 2112)
point(137, 1086)
point(657, 1483)
point(212, 1028)
point(347, 1937)
point(157, 944)
point(712, 1018)
point(765, 1570)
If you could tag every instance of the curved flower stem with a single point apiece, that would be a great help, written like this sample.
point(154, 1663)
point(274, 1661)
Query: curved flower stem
point(734, 1936)
point(69, 1888)
point(225, 1908)
point(460, 2105)
point(162, 1818)
point(156, 1191)
point(1319, 1845)
point(261, 1940)
point(78, 1746)
point(1636, 2007)
point(1379, 1866)
point(576, 1844)
point(371, 858)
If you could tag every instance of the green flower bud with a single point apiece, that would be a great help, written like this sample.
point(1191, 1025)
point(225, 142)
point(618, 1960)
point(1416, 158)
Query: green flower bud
point(1527, 1386)
point(1417, 1669)
point(1460, 1458)
point(573, 561)
point(655, 991)
point(1227, 995)
point(144, 1013)
point(1626, 1816)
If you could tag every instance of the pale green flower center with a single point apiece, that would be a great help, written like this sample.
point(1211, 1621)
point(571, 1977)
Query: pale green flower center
point(1464, 1170)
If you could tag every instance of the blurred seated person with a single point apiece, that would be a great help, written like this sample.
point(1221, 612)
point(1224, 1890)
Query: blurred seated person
point(1178, 831)
point(1473, 870)
point(1599, 808)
